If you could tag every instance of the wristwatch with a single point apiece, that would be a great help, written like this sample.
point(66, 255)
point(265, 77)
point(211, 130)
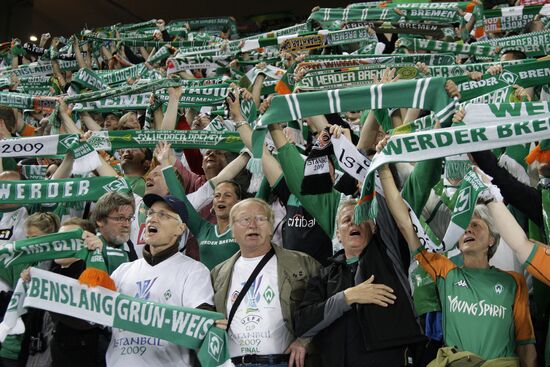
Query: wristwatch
point(238, 124)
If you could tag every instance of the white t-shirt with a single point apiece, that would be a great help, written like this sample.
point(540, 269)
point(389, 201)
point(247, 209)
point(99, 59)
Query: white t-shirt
point(179, 281)
point(12, 226)
point(258, 326)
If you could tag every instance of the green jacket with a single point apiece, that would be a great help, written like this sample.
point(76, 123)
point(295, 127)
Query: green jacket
point(293, 272)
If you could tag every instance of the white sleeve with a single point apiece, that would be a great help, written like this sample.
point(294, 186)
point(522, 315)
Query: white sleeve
point(197, 288)
point(202, 197)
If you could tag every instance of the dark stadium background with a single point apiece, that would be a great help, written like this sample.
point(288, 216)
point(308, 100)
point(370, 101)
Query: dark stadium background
point(21, 18)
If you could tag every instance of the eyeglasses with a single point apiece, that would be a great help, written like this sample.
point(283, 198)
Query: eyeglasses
point(122, 219)
point(245, 221)
point(162, 215)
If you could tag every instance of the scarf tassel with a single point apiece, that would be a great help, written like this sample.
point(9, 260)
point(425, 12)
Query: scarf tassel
point(539, 155)
point(94, 277)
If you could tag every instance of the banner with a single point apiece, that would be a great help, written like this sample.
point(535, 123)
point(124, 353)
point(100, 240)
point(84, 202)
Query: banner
point(190, 327)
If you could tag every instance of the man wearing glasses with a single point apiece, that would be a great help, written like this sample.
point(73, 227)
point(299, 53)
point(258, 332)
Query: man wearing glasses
point(113, 214)
point(261, 331)
point(163, 275)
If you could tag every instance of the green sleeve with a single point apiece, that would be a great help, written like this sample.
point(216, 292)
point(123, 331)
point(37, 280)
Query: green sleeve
point(322, 207)
point(9, 164)
point(195, 222)
point(418, 186)
point(264, 190)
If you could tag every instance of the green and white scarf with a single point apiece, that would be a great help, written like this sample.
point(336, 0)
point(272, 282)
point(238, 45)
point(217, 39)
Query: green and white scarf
point(425, 29)
point(513, 18)
point(526, 75)
point(481, 114)
point(440, 143)
point(48, 145)
point(60, 191)
point(109, 308)
point(419, 12)
point(465, 200)
point(533, 44)
point(338, 78)
point(48, 247)
point(309, 40)
point(475, 49)
point(426, 93)
point(39, 68)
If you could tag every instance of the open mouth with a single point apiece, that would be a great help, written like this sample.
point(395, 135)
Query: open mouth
point(221, 207)
point(152, 229)
point(468, 239)
point(253, 235)
point(355, 233)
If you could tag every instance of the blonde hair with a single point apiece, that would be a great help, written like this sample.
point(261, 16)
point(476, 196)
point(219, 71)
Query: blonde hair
point(46, 222)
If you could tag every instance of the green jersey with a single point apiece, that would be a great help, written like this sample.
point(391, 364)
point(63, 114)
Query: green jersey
point(214, 247)
point(114, 256)
point(485, 311)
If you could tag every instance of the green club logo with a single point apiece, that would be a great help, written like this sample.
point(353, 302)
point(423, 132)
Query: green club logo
point(116, 185)
point(499, 288)
point(509, 77)
point(462, 201)
point(215, 346)
point(269, 295)
point(14, 301)
point(457, 71)
point(68, 141)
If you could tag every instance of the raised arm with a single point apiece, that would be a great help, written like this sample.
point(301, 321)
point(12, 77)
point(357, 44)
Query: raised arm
point(171, 115)
point(398, 208)
point(90, 123)
point(195, 221)
point(271, 167)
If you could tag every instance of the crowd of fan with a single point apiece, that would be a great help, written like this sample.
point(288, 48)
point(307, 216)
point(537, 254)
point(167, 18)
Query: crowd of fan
point(197, 222)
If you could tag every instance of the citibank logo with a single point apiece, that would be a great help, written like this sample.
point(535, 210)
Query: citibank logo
point(299, 221)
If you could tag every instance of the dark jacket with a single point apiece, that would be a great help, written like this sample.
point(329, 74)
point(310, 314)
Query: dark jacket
point(325, 315)
point(525, 198)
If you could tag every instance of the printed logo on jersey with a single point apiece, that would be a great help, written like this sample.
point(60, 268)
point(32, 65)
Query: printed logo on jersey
point(144, 288)
point(481, 308)
point(299, 221)
point(269, 294)
point(6, 233)
point(461, 283)
point(499, 288)
point(215, 346)
point(167, 295)
point(253, 295)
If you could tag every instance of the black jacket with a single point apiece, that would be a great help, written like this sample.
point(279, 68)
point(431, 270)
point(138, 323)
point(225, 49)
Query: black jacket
point(324, 314)
point(525, 198)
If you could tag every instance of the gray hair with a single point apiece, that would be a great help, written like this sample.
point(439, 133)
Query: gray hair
point(482, 212)
point(267, 208)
